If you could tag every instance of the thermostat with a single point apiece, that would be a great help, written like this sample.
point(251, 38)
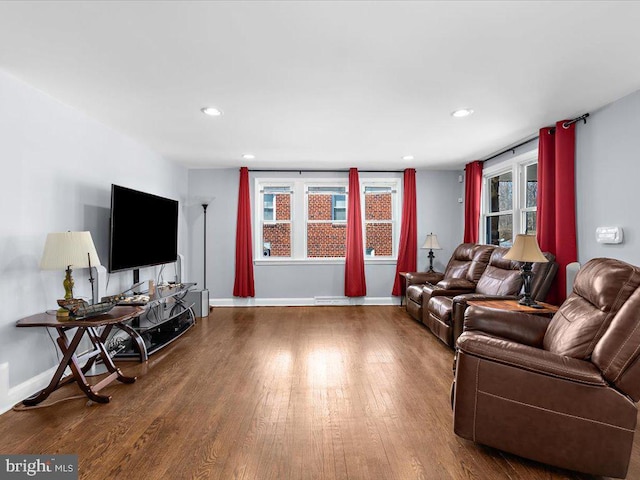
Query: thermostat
point(609, 234)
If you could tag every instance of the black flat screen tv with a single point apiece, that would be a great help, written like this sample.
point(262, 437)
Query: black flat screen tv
point(144, 229)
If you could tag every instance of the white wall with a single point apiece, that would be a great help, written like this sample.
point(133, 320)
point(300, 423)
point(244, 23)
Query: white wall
point(607, 179)
point(440, 212)
point(437, 208)
point(57, 168)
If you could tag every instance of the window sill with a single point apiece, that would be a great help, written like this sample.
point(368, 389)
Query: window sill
point(321, 261)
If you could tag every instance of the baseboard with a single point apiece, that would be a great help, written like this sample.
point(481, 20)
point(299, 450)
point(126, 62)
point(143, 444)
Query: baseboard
point(302, 302)
point(10, 396)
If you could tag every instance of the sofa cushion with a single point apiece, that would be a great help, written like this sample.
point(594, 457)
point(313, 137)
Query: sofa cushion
point(414, 293)
point(441, 307)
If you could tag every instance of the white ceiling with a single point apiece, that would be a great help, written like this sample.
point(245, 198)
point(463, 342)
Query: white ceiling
point(325, 84)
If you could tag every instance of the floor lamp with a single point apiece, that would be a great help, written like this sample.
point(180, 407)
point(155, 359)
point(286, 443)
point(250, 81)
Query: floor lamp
point(204, 247)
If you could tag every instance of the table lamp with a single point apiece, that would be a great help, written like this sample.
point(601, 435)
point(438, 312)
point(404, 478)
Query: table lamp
point(432, 244)
point(69, 249)
point(525, 249)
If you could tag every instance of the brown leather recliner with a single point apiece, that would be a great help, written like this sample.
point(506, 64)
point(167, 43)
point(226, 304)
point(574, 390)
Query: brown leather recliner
point(461, 274)
point(498, 281)
point(560, 391)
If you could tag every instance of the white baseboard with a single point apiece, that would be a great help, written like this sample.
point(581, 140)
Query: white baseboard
point(10, 396)
point(302, 302)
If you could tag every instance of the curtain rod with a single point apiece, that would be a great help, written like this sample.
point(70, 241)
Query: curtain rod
point(293, 170)
point(571, 122)
point(551, 131)
point(511, 149)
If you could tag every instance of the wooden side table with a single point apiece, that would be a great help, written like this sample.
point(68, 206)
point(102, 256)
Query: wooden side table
point(87, 326)
point(514, 306)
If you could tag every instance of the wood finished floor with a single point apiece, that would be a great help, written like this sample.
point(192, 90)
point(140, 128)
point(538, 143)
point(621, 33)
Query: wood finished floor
point(278, 393)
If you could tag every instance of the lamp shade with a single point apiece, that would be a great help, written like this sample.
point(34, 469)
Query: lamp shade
point(525, 249)
point(432, 242)
point(69, 249)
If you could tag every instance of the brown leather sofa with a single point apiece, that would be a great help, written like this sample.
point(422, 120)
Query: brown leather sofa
point(465, 266)
point(562, 391)
point(501, 279)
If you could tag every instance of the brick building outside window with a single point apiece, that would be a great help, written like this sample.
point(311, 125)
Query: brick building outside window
point(308, 219)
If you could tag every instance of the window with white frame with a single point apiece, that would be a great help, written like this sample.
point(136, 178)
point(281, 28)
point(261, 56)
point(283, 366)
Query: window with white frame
point(306, 219)
point(510, 200)
point(379, 219)
point(326, 218)
point(530, 200)
point(275, 221)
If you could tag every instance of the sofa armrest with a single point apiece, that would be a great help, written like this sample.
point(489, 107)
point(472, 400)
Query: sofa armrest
point(457, 284)
point(517, 326)
point(437, 291)
point(460, 305)
point(529, 358)
point(446, 289)
point(414, 278)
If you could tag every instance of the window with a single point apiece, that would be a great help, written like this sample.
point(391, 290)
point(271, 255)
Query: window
point(326, 221)
point(269, 208)
point(499, 217)
point(530, 201)
point(306, 219)
point(275, 223)
point(338, 207)
point(379, 220)
point(510, 199)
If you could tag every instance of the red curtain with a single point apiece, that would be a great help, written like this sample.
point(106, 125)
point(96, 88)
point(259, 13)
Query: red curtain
point(408, 247)
point(354, 282)
point(556, 201)
point(243, 285)
point(472, 198)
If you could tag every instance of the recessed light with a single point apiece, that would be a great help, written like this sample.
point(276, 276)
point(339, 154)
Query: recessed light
point(408, 158)
point(212, 111)
point(248, 156)
point(461, 113)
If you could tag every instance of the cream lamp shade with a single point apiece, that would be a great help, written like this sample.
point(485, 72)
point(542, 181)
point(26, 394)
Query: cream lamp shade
point(65, 250)
point(526, 249)
point(69, 249)
point(431, 242)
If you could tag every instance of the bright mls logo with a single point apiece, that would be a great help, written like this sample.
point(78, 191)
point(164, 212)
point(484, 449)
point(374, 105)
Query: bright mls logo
point(50, 467)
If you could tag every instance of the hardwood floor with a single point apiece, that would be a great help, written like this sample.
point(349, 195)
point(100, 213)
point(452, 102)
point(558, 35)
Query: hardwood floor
point(277, 393)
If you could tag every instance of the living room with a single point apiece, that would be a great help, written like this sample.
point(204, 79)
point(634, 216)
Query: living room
point(61, 158)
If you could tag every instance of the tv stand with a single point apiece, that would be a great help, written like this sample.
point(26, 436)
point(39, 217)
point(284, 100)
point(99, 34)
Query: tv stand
point(165, 318)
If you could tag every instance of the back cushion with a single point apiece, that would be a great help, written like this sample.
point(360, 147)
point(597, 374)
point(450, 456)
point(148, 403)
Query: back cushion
point(481, 257)
point(460, 261)
point(501, 277)
point(617, 353)
point(601, 287)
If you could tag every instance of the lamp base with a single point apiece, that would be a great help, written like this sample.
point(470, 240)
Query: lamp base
point(528, 302)
point(431, 255)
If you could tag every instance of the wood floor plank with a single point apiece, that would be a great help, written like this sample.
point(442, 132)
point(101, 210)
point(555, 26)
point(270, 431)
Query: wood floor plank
point(277, 393)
